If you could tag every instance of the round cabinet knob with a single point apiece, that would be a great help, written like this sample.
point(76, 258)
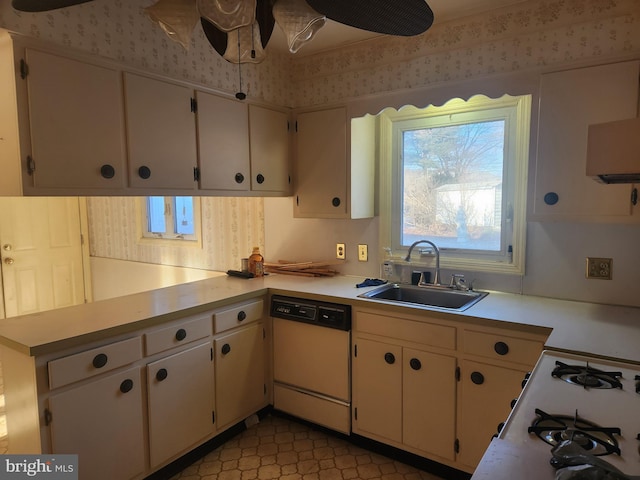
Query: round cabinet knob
point(7, 247)
point(181, 334)
point(9, 261)
point(107, 171)
point(161, 374)
point(226, 348)
point(415, 364)
point(390, 358)
point(239, 178)
point(242, 315)
point(126, 386)
point(100, 360)
point(335, 202)
point(260, 179)
point(144, 172)
point(501, 348)
point(551, 198)
point(477, 378)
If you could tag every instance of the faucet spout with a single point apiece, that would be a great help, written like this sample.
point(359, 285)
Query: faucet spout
point(436, 276)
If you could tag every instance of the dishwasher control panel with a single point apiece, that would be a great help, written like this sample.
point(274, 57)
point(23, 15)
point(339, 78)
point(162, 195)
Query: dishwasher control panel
point(323, 314)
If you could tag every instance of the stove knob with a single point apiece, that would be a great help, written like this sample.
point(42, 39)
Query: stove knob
point(513, 403)
point(500, 426)
point(525, 379)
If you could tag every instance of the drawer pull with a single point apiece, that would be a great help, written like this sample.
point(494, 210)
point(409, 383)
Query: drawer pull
point(162, 374)
point(100, 360)
point(390, 358)
point(126, 386)
point(501, 348)
point(181, 334)
point(226, 348)
point(415, 364)
point(242, 315)
point(477, 378)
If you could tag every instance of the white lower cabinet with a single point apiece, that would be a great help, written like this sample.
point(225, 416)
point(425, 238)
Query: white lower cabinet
point(240, 374)
point(180, 402)
point(102, 422)
point(406, 395)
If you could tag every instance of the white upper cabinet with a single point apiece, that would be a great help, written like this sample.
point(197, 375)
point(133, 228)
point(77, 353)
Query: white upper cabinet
point(62, 124)
point(269, 141)
point(161, 133)
point(335, 164)
point(223, 143)
point(570, 101)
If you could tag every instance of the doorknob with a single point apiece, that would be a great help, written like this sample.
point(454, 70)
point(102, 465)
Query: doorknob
point(6, 247)
point(9, 261)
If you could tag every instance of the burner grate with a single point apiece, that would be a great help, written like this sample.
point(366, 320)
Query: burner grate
point(586, 376)
point(554, 429)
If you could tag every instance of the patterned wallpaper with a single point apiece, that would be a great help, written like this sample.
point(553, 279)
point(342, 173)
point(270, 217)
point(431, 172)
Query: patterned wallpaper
point(231, 227)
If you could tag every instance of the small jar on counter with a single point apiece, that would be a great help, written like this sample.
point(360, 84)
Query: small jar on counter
point(256, 263)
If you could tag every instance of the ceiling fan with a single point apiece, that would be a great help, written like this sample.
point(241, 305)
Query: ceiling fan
point(239, 30)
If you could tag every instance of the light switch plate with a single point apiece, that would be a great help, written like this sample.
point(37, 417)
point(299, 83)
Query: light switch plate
point(363, 253)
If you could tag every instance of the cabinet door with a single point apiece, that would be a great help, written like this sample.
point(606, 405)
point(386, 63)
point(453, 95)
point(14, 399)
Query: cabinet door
point(102, 422)
point(76, 123)
point(240, 374)
point(181, 402)
point(377, 389)
point(321, 164)
point(428, 402)
point(569, 102)
point(161, 133)
point(223, 141)
point(269, 140)
point(485, 402)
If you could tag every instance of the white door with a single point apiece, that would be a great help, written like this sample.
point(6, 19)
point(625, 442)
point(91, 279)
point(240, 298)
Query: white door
point(41, 251)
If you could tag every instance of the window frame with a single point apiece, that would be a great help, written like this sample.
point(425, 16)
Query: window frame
point(147, 237)
point(516, 110)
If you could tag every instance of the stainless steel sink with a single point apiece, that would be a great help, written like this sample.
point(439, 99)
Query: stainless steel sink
point(439, 297)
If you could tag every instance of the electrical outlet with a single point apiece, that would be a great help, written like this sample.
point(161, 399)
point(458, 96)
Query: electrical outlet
point(340, 251)
point(599, 268)
point(363, 253)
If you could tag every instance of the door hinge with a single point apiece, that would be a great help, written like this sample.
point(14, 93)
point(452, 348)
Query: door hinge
point(297, 200)
point(264, 334)
point(296, 126)
point(24, 69)
point(458, 374)
point(355, 350)
point(456, 446)
point(212, 354)
point(264, 385)
point(31, 165)
point(355, 413)
point(213, 417)
point(48, 417)
point(196, 174)
point(634, 196)
point(81, 239)
point(194, 105)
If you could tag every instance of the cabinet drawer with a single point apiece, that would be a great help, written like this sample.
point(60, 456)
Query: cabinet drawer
point(177, 334)
point(237, 315)
point(502, 347)
point(412, 331)
point(79, 366)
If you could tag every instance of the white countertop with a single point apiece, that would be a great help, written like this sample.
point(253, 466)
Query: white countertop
point(607, 331)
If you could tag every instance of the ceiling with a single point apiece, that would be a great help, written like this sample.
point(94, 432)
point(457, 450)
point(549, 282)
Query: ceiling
point(333, 34)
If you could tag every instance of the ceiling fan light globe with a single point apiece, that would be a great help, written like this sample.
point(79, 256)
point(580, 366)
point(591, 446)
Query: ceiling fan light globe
point(244, 46)
point(298, 21)
point(228, 15)
point(177, 18)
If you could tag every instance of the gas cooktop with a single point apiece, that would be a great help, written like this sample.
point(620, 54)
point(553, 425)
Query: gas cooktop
point(590, 403)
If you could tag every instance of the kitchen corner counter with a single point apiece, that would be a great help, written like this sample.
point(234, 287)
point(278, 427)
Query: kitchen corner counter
point(601, 330)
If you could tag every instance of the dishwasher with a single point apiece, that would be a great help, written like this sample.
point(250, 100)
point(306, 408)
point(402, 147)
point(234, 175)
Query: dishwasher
point(312, 361)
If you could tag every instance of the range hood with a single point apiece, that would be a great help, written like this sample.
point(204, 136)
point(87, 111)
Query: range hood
point(613, 151)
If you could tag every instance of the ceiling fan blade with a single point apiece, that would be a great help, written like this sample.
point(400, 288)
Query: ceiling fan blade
point(43, 5)
point(217, 38)
point(400, 17)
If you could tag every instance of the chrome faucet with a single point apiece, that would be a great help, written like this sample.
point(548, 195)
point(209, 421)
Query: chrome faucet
point(436, 276)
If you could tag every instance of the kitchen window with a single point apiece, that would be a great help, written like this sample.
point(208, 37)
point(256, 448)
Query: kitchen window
point(456, 175)
point(170, 218)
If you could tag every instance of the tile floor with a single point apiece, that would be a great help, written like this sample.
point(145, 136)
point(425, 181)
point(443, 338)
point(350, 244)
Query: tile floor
point(279, 448)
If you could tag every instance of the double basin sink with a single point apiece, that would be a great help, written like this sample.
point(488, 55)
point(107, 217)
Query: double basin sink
point(433, 296)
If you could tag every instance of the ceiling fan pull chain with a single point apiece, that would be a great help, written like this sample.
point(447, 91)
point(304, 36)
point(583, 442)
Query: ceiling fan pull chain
point(240, 95)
